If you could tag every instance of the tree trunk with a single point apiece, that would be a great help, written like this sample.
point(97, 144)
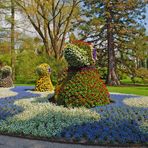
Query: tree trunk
point(112, 78)
point(13, 39)
point(47, 49)
point(45, 39)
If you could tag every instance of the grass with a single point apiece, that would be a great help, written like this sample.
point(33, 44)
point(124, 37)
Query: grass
point(24, 84)
point(143, 91)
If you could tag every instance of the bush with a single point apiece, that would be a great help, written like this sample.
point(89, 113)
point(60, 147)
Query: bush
point(142, 73)
point(5, 59)
point(103, 72)
point(27, 62)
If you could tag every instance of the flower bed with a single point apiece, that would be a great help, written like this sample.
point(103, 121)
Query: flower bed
point(122, 122)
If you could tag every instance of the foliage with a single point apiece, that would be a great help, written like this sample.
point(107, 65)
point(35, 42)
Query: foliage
point(117, 34)
point(143, 74)
point(28, 60)
point(44, 82)
point(103, 72)
point(5, 59)
point(52, 20)
point(82, 87)
point(72, 37)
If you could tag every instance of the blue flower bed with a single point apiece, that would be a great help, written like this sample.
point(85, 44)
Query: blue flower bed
point(123, 122)
point(119, 124)
point(7, 107)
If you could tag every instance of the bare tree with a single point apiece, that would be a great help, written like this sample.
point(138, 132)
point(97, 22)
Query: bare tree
point(52, 20)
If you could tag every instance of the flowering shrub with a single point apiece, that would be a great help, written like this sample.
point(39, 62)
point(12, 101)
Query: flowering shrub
point(44, 82)
point(81, 87)
point(6, 80)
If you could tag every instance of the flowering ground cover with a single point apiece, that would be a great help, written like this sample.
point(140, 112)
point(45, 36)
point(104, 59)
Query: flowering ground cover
point(29, 113)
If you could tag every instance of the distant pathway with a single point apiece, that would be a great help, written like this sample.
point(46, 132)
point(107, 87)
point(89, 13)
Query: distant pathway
point(13, 142)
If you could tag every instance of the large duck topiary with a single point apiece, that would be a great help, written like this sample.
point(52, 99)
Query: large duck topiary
point(80, 84)
point(44, 82)
point(6, 77)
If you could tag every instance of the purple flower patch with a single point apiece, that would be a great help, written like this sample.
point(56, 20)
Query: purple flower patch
point(95, 54)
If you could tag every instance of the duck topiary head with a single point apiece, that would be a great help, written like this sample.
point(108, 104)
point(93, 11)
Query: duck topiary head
point(43, 70)
point(79, 54)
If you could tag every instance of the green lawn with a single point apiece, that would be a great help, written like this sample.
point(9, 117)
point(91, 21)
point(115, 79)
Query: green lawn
point(24, 84)
point(129, 90)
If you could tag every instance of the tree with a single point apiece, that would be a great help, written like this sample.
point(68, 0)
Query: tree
point(7, 9)
point(52, 20)
point(111, 25)
point(13, 38)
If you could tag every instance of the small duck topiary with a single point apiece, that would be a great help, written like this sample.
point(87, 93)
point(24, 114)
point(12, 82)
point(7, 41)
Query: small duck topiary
point(44, 82)
point(6, 77)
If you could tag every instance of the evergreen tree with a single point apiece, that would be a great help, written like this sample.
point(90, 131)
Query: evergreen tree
point(111, 25)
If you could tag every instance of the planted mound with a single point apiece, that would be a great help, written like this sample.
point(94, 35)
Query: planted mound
point(81, 87)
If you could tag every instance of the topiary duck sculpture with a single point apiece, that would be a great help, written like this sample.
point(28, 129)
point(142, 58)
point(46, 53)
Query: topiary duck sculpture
point(80, 84)
point(6, 77)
